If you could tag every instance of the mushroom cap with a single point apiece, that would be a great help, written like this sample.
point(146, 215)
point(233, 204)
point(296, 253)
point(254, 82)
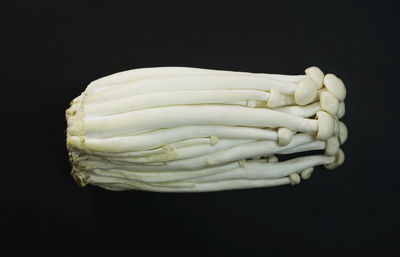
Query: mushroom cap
point(342, 110)
point(294, 179)
point(272, 159)
point(343, 133)
point(285, 135)
point(329, 102)
point(305, 91)
point(306, 174)
point(335, 86)
point(332, 146)
point(326, 125)
point(316, 75)
point(336, 128)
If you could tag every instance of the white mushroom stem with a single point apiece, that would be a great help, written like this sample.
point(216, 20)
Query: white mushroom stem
point(237, 184)
point(176, 116)
point(163, 149)
point(213, 140)
point(247, 103)
point(143, 153)
point(192, 148)
point(146, 73)
point(123, 184)
point(269, 170)
point(315, 145)
point(98, 180)
point(305, 111)
point(165, 176)
point(239, 152)
point(177, 83)
point(138, 102)
point(183, 153)
point(163, 137)
point(181, 145)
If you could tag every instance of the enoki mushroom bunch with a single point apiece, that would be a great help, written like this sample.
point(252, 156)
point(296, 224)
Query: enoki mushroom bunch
point(177, 129)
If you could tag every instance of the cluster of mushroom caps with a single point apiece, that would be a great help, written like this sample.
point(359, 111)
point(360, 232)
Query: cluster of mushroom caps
point(179, 129)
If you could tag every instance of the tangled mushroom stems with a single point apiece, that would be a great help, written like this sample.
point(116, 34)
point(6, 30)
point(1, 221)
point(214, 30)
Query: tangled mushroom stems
point(178, 129)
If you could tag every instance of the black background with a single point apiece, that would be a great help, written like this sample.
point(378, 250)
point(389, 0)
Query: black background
point(52, 50)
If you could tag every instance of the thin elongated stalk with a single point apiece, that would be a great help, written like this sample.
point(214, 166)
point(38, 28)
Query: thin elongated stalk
point(162, 72)
point(194, 141)
point(269, 170)
point(183, 153)
point(177, 116)
point(162, 137)
point(157, 99)
point(301, 111)
point(315, 145)
point(132, 154)
point(123, 184)
point(164, 176)
point(177, 83)
point(252, 170)
point(239, 152)
point(180, 145)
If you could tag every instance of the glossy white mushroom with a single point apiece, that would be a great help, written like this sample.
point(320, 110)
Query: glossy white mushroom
point(316, 75)
point(177, 129)
point(326, 125)
point(163, 72)
point(342, 133)
point(329, 103)
point(285, 135)
point(335, 86)
point(342, 110)
point(305, 111)
point(190, 83)
point(305, 92)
